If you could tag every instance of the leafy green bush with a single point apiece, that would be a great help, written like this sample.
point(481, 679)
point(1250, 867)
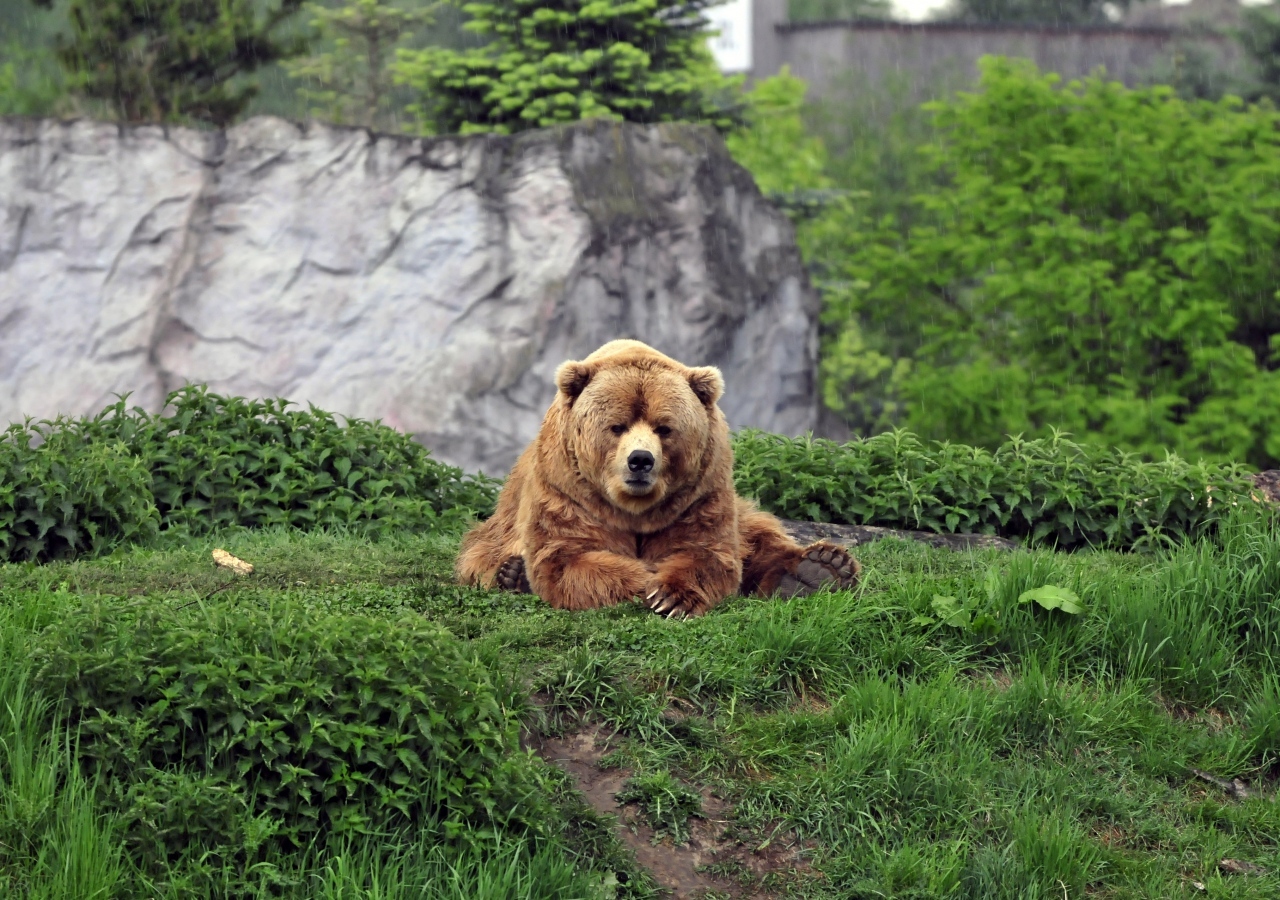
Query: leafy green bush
point(71, 494)
point(1050, 490)
point(221, 461)
point(213, 462)
point(224, 733)
point(553, 61)
point(1099, 259)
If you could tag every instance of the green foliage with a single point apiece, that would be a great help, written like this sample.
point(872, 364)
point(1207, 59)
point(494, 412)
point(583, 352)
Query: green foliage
point(213, 462)
point(1260, 39)
point(54, 841)
point(30, 83)
point(172, 60)
point(1045, 491)
point(554, 61)
point(833, 165)
point(1196, 70)
point(1033, 12)
point(221, 461)
point(1053, 597)
point(838, 10)
point(228, 731)
point(1102, 260)
point(774, 145)
point(71, 494)
point(664, 802)
point(351, 81)
point(1262, 720)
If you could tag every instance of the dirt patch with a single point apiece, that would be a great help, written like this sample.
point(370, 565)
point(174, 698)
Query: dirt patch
point(717, 861)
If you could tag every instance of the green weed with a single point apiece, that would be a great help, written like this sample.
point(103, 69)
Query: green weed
point(665, 803)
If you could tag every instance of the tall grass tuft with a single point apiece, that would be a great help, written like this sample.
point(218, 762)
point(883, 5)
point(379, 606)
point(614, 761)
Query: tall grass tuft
point(54, 841)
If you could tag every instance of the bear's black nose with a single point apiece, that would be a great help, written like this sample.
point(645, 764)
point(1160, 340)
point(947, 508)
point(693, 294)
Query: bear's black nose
point(640, 461)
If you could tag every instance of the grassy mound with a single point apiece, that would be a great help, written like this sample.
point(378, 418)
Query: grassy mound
point(227, 729)
point(1020, 750)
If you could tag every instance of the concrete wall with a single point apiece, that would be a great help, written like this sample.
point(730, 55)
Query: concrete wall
point(942, 56)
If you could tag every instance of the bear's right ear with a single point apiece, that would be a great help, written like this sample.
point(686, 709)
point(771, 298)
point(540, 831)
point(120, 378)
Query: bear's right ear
point(572, 378)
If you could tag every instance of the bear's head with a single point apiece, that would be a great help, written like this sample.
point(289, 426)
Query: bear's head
point(641, 426)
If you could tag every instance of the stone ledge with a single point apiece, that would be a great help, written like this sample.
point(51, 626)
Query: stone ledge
point(853, 535)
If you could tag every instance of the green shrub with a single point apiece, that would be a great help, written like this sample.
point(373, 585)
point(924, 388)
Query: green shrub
point(212, 462)
point(221, 461)
point(70, 494)
point(1046, 491)
point(227, 732)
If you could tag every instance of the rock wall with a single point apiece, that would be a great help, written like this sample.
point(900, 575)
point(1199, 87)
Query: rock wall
point(432, 283)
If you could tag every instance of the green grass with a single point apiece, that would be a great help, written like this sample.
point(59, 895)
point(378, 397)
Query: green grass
point(1031, 754)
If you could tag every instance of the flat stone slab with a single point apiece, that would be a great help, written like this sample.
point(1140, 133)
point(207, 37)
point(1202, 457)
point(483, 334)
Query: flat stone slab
point(853, 535)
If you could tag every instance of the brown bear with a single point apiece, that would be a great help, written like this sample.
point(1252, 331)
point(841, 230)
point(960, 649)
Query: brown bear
point(627, 491)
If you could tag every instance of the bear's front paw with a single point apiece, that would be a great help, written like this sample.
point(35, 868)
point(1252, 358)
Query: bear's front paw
point(674, 603)
point(821, 565)
point(513, 577)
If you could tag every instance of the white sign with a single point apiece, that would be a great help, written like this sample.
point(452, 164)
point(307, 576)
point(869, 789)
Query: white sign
point(732, 46)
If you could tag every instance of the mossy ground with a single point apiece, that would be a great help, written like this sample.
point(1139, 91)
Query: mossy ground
point(1044, 755)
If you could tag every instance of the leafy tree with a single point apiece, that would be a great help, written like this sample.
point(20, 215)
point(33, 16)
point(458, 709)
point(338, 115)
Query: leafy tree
point(552, 61)
point(774, 146)
point(1102, 260)
point(170, 60)
point(352, 81)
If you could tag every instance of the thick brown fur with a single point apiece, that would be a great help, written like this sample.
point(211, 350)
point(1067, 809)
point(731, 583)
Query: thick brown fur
point(579, 526)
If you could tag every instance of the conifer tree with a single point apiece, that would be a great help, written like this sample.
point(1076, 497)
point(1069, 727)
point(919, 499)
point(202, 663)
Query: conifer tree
point(550, 61)
point(351, 82)
point(173, 60)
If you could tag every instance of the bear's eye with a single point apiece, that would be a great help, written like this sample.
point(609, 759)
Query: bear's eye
point(662, 430)
point(618, 429)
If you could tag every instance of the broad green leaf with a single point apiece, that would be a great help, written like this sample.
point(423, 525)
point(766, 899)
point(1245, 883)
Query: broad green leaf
point(1053, 597)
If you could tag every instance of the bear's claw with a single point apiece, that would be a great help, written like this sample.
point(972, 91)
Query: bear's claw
point(822, 565)
point(666, 603)
point(512, 576)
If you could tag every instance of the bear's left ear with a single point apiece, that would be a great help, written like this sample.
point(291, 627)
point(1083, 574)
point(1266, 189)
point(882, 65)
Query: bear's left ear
point(572, 378)
point(707, 383)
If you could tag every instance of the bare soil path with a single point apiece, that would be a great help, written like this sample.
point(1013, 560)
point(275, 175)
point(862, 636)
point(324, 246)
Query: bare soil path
point(716, 862)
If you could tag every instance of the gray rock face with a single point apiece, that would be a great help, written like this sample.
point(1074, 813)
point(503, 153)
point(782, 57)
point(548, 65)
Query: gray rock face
point(431, 283)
